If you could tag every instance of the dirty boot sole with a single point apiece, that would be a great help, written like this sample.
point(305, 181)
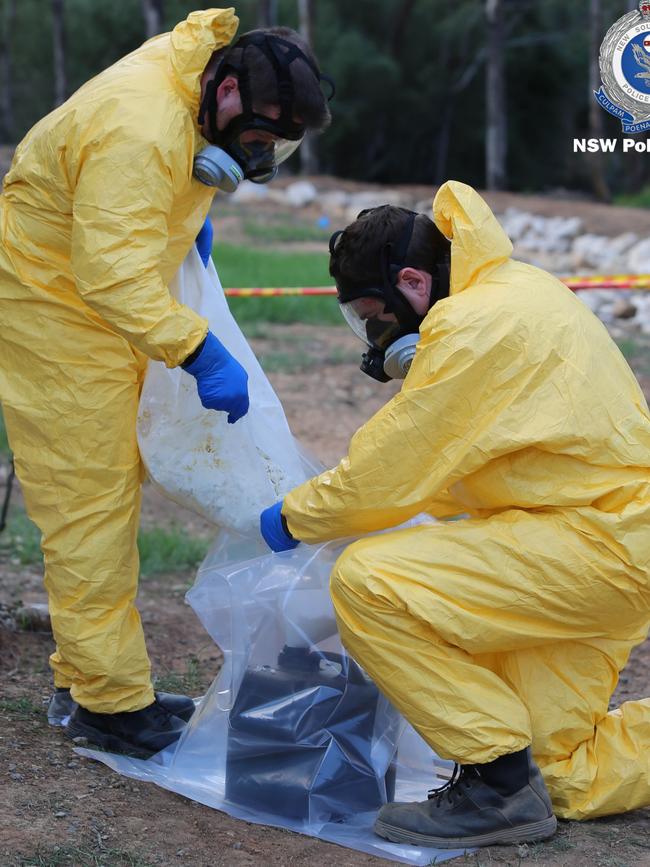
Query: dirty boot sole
point(105, 741)
point(529, 833)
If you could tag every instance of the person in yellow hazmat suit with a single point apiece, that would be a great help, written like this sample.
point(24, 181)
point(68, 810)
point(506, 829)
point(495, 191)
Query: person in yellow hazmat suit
point(104, 198)
point(500, 636)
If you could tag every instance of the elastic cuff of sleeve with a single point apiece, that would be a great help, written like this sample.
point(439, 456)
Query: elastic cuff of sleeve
point(191, 358)
point(285, 527)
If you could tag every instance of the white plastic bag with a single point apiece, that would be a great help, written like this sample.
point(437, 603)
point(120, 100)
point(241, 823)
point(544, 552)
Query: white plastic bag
point(226, 473)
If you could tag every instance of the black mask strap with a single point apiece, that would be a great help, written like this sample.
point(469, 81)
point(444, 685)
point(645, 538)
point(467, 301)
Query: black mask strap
point(280, 53)
point(393, 259)
point(334, 240)
point(440, 280)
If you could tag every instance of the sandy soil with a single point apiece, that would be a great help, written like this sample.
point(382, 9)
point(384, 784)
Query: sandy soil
point(59, 809)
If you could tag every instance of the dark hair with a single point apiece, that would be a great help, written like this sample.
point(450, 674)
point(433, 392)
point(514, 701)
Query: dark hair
point(309, 104)
point(357, 255)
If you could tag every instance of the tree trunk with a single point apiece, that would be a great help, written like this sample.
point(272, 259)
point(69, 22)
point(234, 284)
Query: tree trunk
point(597, 162)
point(267, 13)
point(58, 40)
point(399, 25)
point(6, 70)
point(153, 17)
point(309, 162)
point(496, 133)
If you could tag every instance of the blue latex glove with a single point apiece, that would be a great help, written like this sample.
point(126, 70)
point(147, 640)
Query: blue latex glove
point(204, 241)
point(274, 531)
point(221, 381)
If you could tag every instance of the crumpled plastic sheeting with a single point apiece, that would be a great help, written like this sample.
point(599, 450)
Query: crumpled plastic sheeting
point(335, 738)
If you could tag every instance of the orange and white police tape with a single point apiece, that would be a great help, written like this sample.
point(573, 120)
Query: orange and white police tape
point(596, 281)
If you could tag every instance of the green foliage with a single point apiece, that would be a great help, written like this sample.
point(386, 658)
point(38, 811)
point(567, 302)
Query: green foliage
point(640, 199)
point(4, 443)
point(251, 267)
point(161, 550)
point(20, 708)
point(281, 229)
point(90, 854)
point(20, 541)
point(189, 682)
point(300, 359)
point(410, 103)
point(169, 550)
point(636, 351)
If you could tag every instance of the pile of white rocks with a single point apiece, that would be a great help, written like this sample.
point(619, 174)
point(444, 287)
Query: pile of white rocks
point(557, 244)
point(560, 244)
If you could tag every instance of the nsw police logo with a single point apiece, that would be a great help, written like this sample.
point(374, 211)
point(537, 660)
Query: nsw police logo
point(625, 70)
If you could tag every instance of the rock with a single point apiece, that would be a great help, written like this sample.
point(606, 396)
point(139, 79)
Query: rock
point(334, 201)
point(623, 309)
point(34, 617)
point(300, 193)
point(424, 207)
point(638, 258)
point(515, 223)
point(590, 251)
point(592, 298)
point(371, 199)
point(622, 243)
point(247, 191)
point(543, 234)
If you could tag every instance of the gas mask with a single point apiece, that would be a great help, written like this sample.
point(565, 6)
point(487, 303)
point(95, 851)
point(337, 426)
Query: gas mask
point(252, 145)
point(381, 316)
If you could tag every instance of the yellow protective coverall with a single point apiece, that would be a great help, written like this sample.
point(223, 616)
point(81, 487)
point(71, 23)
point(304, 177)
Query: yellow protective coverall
point(508, 627)
point(99, 210)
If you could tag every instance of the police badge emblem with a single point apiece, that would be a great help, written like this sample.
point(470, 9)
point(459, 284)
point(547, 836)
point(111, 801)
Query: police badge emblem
point(625, 70)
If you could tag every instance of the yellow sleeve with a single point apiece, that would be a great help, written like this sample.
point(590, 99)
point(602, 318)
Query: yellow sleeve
point(122, 201)
point(443, 425)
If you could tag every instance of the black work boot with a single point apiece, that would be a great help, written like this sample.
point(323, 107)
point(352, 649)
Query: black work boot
point(138, 733)
point(62, 705)
point(501, 802)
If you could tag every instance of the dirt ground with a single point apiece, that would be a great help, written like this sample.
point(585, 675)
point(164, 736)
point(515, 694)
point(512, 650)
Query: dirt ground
point(60, 809)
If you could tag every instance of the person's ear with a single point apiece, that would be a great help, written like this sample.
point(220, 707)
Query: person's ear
point(229, 87)
point(414, 281)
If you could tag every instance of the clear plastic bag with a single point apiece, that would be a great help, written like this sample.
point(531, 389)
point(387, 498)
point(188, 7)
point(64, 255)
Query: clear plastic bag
point(291, 733)
point(226, 473)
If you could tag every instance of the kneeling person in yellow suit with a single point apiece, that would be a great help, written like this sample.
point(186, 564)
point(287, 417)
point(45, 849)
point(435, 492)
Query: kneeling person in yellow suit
point(499, 637)
point(102, 203)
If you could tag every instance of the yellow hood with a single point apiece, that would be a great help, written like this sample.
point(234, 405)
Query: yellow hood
point(478, 243)
point(193, 42)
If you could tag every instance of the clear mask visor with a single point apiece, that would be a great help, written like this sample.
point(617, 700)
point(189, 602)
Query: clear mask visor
point(260, 153)
point(368, 319)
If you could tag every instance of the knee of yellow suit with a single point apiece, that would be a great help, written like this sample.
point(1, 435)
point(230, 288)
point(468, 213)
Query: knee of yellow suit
point(362, 577)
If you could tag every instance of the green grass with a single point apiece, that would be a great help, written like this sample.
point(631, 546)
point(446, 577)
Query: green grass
point(4, 444)
point(88, 855)
point(170, 550)
point(253, 267)
point(183, 683)
point(20, 708)
point(636, 352)
point(279, 361)
point(21, 540)
point(640, 199)
point(161, 550)
point(283, 231)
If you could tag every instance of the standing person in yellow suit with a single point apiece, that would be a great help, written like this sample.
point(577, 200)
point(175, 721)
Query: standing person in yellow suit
point(104, 198)
point(499, 637)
